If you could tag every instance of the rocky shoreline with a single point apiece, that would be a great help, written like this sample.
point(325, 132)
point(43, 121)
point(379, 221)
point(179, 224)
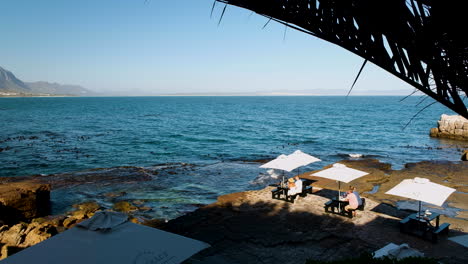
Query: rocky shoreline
point(452, 127)
point(250, 227)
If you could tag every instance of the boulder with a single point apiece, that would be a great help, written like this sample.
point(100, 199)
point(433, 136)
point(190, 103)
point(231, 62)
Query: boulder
point(22, 201)
point(453, 127)
point(85, 210)
point(464, 156)
point(124, 207)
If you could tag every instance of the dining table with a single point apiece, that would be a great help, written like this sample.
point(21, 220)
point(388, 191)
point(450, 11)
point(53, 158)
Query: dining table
point(426, 218)
point(425, 225)
point(338, 203)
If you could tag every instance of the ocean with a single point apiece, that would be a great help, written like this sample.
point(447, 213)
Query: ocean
point(193, 149)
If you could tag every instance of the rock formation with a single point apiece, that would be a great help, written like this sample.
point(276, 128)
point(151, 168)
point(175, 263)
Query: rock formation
point(22, 235)
point(18, 236)
point(22, 201)
point(453, 127)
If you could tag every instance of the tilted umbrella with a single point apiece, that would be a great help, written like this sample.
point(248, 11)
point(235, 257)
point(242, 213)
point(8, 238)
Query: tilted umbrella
point(339, 172)
point(422, 190)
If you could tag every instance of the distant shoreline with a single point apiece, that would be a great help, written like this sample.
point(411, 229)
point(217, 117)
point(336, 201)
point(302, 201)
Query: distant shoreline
point(205, 95)
point(35, 95)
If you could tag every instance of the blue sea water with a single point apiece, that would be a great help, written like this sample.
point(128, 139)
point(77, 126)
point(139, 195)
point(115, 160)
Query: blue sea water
point(217, 136)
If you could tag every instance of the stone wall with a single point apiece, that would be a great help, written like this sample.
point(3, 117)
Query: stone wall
point(453, 127)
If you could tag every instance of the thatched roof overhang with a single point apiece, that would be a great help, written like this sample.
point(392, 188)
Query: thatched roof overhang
point(422, 42)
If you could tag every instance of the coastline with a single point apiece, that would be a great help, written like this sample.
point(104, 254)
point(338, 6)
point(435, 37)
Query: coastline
point(250, 227)
point(36, 96)
point(244, 226)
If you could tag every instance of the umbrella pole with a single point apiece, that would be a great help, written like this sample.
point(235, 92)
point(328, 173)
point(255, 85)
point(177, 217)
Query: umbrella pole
point(419, 213)
point(282, 183)
point(339, 187)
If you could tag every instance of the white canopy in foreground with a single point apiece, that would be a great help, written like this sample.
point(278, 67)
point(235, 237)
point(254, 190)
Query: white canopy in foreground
point(290, 162)
point(339, 172)
point(121, 244)
point(422, 189)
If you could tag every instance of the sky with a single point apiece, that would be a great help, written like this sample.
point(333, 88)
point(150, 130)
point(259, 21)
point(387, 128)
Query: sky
point(161, 47)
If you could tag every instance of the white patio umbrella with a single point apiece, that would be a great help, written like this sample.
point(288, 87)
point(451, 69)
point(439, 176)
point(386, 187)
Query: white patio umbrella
point(300, 158)
point(279, 163)
point(109, 238)
point(290, 162)
point(422, 189)
point(339, 172)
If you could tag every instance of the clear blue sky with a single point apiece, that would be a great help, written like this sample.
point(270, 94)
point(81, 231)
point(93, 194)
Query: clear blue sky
point(172, 46)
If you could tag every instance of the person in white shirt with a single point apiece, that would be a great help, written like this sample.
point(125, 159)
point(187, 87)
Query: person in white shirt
point(291, 187)
point(298, 183)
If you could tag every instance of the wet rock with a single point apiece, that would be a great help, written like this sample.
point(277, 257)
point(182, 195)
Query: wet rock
point(134, 220)
point(85, 210)
point(115, 194)
point(434, 132)
point(22, 201)
point(69, 222)
point(125, 207)
point(464, 156)
point(145, 209)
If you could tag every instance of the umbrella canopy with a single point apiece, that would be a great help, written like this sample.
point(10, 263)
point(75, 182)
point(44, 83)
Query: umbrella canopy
point(109, 240)
point(339, 172)
point(290, 162)
point(422, 189)
point(302, 159)
point(280, 163)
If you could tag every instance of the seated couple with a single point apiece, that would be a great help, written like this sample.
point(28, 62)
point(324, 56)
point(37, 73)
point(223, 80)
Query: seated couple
point(352, 196)
point(294, 186)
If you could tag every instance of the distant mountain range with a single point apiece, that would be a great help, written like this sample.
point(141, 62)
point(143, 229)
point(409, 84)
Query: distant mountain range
point(9, 84)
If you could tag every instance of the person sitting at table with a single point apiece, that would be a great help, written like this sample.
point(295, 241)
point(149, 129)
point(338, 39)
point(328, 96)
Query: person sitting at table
point(298, 183)
point(353, 202)
point(291, 187)
point(357, 194)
